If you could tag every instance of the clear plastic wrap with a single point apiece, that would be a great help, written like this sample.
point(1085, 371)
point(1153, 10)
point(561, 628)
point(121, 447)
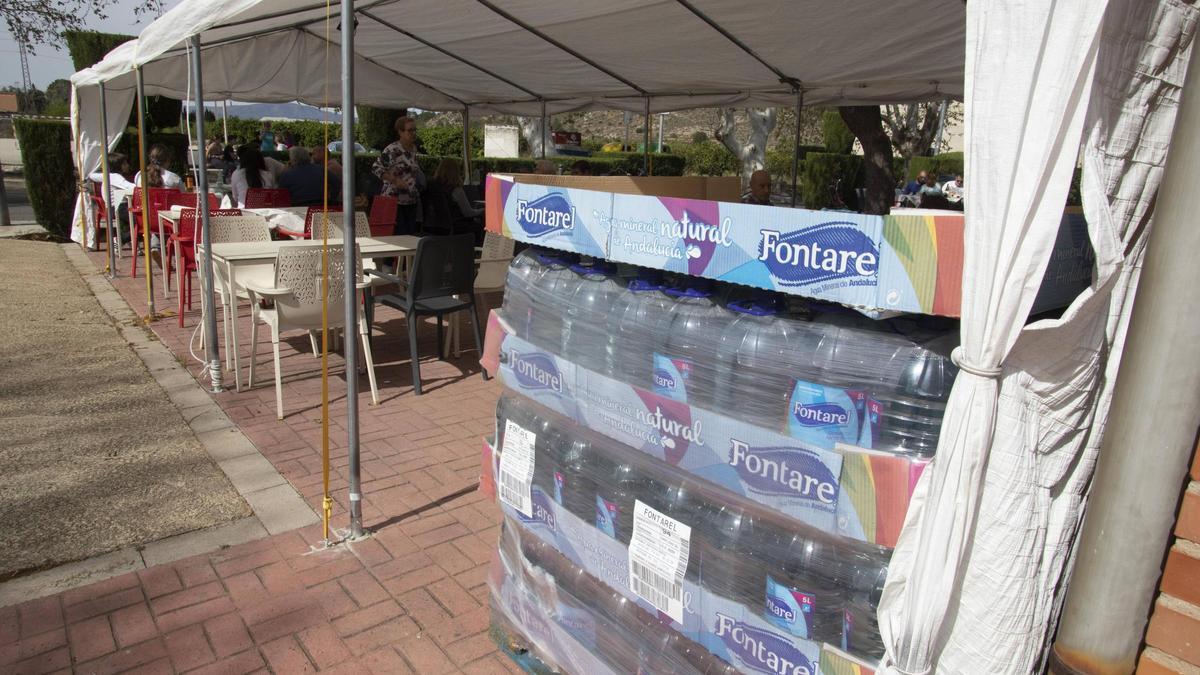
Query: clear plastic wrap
point(816, 372)
point(808, 583)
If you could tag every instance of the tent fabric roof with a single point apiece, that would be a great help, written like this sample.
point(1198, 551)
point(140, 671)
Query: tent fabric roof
point(508, 56)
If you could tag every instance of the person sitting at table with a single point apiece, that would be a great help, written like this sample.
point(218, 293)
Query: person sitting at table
point(760, 189)
point(252, 174)
point(305, 181)
point(930, 187)
point(581, 168)
point(321, 157)
point(118, 179)
point(402, 176)
point(448, 179)
point(953, 189)
point(545, 167)
point(158, 169)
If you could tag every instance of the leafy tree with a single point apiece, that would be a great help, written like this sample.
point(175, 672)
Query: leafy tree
point(838, 137)
point(376, 126)
point(913, 127)
point(58, 92)
point(866, 123)
point(43, 22)
point(32, 102)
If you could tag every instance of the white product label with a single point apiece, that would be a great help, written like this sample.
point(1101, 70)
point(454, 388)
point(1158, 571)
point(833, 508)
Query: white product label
point(658, 558)
point(516, 467)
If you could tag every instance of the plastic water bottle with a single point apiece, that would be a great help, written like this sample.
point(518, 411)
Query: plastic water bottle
point(523, 274)
point(588, 339)
point(685, 367)
point(915, 384)
point(864, 589)
point(760, 355)
point(550, 295)
point(641, 313)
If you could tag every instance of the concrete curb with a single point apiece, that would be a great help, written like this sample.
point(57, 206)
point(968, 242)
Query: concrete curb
point(276, 505)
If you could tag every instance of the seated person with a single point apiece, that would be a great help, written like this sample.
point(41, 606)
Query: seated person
point(581, 168)
point(914, 186)
point(252, 174)
point(158, 169)
point(953, 189)
point(118, 180)
point(545, 167)
point(448, 179)
point(335, 167)
point(931, 186)
point(760, 189)
point(306, 181)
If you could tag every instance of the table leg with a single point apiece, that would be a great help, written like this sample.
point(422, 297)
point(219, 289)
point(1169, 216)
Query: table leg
point(233, 311)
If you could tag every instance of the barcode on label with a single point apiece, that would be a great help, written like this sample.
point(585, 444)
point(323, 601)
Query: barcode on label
point(653, 587)
point(513, 490)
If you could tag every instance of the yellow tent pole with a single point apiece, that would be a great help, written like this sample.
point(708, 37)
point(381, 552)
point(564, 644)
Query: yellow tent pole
point(141, 107)
point(327, 501)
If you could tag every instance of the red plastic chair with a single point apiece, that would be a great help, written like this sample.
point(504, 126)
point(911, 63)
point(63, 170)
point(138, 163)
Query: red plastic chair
point(267, 198)
point(159, 199)
point(382, 218)
point(183, 242)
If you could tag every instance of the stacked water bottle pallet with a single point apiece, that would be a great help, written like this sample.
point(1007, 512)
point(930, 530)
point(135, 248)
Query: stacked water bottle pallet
point(725, 463)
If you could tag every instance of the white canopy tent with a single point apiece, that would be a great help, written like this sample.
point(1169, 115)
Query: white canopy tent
point(986, 544)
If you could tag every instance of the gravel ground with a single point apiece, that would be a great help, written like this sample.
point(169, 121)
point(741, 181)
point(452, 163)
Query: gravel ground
point(94, 456)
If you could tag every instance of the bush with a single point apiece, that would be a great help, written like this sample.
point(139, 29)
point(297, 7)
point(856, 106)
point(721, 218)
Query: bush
point(948, 164)
point(447, 141)
point(375, 127)
point(309, 133)
point(661, 163)
point(838, 137)
point(779, 162)
point(822, 171)
point(49, 172)
point(699, 137)
point(708, 159)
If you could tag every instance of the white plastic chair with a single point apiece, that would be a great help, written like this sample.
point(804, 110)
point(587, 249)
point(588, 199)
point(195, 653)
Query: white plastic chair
point(490, 273)
point(296, 293)
point(227, 229)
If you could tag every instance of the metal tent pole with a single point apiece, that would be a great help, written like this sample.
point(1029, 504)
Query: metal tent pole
point(211, 351)
point(108, 200)
point(646, 141)
point(1144, 456)
point(145, 187)
point(941, 125)
point(225, 121)
point(796, 147)
point(466, 145)
point(351, 264)
point(543, 129)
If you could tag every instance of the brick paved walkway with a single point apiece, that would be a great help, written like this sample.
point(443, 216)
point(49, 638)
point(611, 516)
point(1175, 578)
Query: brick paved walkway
point(413, 598)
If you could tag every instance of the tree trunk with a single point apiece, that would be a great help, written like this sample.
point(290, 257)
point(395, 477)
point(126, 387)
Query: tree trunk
point(530, 129)
point(867, 124)
point(752, 154)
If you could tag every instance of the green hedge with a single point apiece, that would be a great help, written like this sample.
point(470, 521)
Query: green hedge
point(946, 164)
point(375, 127)
point(309, 133)
point(708, 159)
point(821, 170)
point(447, 141)
point(779, 162)
point(87, 47)
point(49, 171)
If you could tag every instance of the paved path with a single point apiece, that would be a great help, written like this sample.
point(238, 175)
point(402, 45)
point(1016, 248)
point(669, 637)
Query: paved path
point(412, 598)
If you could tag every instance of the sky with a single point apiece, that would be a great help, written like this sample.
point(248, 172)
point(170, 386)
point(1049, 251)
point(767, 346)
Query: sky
point(50, 64)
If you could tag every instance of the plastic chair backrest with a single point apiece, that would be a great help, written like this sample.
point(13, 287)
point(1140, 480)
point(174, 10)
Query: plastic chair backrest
point(267, 198)
point(298, 268)
point(189, 219)
point(246, 227)
point(383, 211)
point(494, 260)
point(362, 230)
point(314, 220)
point(443, 266)
point(439, 217)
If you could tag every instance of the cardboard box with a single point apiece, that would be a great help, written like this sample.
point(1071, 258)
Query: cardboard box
point(878, 264)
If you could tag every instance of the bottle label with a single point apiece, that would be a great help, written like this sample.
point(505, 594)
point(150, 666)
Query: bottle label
point(789, 609)
point(516, 468)
point(607, 515)
point(822, 415)
point(870, 424)
point(559, 481)
point(670, 377)
point(658, 558)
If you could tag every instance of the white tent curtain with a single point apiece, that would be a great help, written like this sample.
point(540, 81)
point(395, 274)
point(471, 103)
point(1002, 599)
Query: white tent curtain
point(93, 140)
point(973, 584)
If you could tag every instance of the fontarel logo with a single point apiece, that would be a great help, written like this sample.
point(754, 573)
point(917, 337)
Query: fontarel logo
point(536, 371)
point(545, 214)
point(541, 510)
point(761, 650)
point(788, 472)
point(833, 250)
point(822, 414)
